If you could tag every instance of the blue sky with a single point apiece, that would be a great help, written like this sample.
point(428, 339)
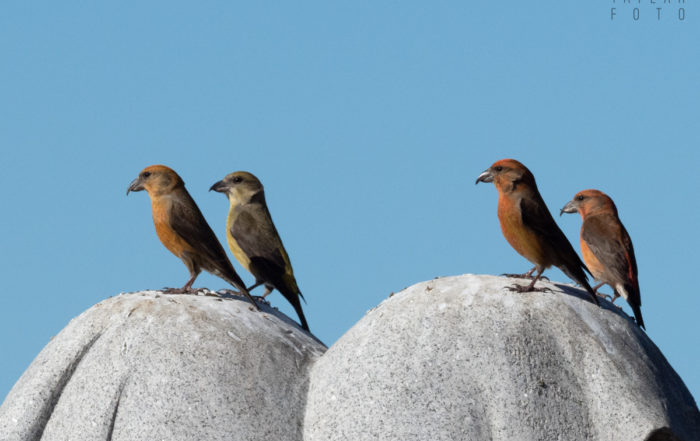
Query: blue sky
point(368, 123)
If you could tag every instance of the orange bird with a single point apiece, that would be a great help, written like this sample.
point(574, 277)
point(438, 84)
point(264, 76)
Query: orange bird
point(529, 227)
point(182, 228)
point(606, 247)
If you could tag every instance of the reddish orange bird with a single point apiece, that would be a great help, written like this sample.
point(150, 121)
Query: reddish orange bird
point(529, 227)
point(182, 228)
point(607, 248)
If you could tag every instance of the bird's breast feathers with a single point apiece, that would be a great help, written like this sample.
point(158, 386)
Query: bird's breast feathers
point(521, 238)
point(161, 220)
point(592, 263)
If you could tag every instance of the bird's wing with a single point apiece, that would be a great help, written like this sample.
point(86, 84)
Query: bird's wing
point(257, 237)
point(189, 223)
point(612, 246)
point(537, 217)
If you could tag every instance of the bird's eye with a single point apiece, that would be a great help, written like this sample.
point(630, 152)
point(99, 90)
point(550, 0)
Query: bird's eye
point(146, 174)
point(499, 168)
point(237, 179)
point(580, 197)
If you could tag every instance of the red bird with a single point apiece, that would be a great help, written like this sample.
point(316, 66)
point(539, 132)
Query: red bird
point(529, 227)
point(607, 248)
point(182, 229)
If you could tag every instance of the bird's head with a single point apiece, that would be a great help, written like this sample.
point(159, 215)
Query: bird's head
point(507, 174)
point(588, 201)
point(239, 187)
point(156, 180)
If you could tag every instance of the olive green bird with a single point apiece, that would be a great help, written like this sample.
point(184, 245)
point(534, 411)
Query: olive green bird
point(253, 238)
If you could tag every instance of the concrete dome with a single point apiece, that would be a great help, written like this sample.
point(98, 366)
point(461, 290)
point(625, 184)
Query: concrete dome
point(148, 366)
point(462, 358)
point(456, 358)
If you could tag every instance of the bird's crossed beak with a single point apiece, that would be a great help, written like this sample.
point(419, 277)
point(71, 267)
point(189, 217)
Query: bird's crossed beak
point(136, 185)
point(220, 187)
point(486, 176)
point(569, 208)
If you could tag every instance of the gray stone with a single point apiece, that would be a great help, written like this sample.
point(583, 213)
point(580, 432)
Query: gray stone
point(149, 366)
point(462, 358)
point(457, 358)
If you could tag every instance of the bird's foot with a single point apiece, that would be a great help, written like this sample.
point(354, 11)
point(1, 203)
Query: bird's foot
point(231, 292)
point(179, 291)
point(261, 299)
point(604, 296)
point(608, 297)
point(528, 276)
point(521, 288)
point(517, 276)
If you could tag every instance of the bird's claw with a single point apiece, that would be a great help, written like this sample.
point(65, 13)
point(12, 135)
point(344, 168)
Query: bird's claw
point(179, 291)
point(521, 289)
point(261, 299)
point(185, 290)
point(515, 276)
point(604, 296)
point(523, 276)
point(257, 299)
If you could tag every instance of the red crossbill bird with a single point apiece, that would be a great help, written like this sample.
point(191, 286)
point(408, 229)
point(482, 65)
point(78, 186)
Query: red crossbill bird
point(182, 228)
point(606, 247)
point(253, 238)
point(529, 227)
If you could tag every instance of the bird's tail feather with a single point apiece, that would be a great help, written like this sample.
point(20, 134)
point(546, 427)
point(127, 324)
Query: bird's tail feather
point(243, 290)
point(579, 276)
point(634, 301)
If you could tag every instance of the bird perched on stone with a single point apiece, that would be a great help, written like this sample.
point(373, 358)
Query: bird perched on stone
point(182, 228)
point(253, 238)
point(606, 247)
point(529, 227)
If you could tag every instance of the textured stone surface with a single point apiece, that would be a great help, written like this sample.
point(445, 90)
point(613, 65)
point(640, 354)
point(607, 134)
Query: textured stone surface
point(148, 366)
point(457, 358)
point(461, 358)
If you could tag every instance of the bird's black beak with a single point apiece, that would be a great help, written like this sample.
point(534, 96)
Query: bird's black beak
point(485, 177)
point(220, 187)
point(569, 208)
point(136, 185)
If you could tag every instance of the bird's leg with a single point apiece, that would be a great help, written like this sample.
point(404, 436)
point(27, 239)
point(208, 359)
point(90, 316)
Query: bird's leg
point(268, 290)
point(531, 286)
point(615, 297)
point(260, 298)
point(187, 289)
point(255, 285)
point(194, 270)
point(188, 285)
point(605, 296)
